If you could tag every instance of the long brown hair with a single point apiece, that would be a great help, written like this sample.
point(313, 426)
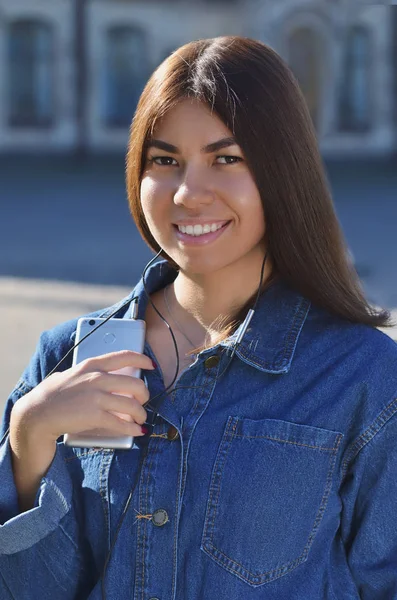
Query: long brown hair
point(253, 91)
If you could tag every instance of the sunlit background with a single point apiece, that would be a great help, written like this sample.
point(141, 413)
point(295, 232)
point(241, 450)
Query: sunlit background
point(71, 72)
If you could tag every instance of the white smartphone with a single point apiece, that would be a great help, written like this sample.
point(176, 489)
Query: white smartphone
point(113, 336)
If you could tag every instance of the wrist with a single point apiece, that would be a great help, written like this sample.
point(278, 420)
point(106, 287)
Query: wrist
point(28, 443)
point(26, 425)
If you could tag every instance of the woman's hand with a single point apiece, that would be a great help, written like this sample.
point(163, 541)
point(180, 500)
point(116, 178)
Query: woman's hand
point(85, 397)
point(82, 398)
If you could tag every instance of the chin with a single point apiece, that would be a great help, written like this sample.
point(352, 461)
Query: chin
point(198, 266)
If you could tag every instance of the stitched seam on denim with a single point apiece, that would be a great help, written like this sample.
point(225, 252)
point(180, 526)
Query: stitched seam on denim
point(294, 328)
point(331, 589)
point(202, 400)
point(369, 434)
point(183, 387)
point(88, 453)
point(146, 486)
point(324, 500)
point(207, 391)
point(180, 471)
point(12, 597)
point(188, 387)
point(23, 385)
point(57, 491)
point(208, 519)
point(103, 490)
point(145, 525)
point(139, 547)
point(279, 572)
point(293, 332)
point(220, 458)
point(204, 388)
point(267, 437)
point(71, 540)
point(250, 361)
point(289, 566)
point(64, 587)
point(290, 335)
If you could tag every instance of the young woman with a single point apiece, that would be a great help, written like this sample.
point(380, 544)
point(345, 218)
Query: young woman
point(267, 469)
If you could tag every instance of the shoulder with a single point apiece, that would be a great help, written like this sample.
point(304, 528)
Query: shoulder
point(359, 360)
point(341, 336)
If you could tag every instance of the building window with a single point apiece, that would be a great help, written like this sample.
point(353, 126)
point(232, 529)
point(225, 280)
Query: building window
point(125, 74)
point(306, 59)
point(354, 98)
point(30, 74)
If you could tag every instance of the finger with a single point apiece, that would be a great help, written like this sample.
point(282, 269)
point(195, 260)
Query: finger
point(111, 425)
point(117, 360)
point(120, 384)
point(124, 385)
point(123, 405)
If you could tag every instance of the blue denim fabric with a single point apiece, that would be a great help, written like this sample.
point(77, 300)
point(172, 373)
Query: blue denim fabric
point(282, 484)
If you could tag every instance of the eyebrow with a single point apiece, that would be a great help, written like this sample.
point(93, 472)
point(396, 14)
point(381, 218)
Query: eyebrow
point(213, 147)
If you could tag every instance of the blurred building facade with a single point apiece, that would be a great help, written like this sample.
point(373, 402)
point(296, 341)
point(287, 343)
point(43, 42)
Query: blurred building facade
point(71, 71)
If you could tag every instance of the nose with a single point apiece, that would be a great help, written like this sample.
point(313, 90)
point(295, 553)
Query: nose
point(193, 190)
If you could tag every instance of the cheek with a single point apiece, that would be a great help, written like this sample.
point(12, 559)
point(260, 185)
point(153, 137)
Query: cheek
point(152, 201)
point(249, 208)
point(147, 192)
point(155, 207)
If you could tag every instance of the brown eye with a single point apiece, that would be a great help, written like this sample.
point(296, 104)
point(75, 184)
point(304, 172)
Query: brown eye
point(167, 160)
point(230, 160)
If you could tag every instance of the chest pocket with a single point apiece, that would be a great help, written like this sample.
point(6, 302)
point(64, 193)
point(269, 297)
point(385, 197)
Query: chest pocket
point(269, 489)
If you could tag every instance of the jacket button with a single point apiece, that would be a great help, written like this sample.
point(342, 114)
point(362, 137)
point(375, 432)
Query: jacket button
point(160, 517)
point(172, 433)
point(211, 361)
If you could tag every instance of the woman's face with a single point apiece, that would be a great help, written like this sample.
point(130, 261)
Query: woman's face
point(195, 181)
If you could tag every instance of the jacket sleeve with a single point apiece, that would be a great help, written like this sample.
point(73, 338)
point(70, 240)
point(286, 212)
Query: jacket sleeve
point(41, 550)
point(369, 496)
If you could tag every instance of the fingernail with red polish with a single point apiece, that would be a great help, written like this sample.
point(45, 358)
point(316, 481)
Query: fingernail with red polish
point(144, 429)
point(154, 364)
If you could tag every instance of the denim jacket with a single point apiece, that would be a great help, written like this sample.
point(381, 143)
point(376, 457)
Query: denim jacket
point(278, 481)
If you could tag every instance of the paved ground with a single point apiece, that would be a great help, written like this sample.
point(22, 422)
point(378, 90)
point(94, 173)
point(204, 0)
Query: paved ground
point(68, 244)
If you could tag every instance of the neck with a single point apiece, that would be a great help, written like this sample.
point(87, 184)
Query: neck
point(200, 299)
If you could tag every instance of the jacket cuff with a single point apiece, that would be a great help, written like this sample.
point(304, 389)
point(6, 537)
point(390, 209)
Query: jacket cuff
point(19, 531)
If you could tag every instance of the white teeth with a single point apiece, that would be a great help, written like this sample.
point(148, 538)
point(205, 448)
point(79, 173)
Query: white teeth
point(197, 230)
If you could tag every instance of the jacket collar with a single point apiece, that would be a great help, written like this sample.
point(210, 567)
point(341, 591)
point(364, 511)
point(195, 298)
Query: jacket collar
point(270, 341)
